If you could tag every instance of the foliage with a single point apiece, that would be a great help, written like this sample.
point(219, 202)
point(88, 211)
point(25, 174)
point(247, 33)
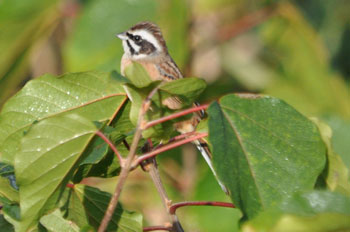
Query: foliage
point(284, 170)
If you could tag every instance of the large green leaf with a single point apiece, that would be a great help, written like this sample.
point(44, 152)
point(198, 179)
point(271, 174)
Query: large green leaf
point(91, 204)
point(263, 150)
point(48, 153)
point(315, 211)
point(91, 94)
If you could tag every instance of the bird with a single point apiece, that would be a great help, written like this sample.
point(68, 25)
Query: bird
point(144, 43)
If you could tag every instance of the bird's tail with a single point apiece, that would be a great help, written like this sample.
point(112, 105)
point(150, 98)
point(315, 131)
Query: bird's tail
point(204, 150)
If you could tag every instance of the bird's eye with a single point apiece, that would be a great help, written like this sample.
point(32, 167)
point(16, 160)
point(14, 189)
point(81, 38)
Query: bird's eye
point(137, 38)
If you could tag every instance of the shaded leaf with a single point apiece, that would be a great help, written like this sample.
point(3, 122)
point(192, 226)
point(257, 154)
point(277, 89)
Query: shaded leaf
point(49, 152)
point(4, 225)
point(263, 150)
point(95, 203)
point(55, 222)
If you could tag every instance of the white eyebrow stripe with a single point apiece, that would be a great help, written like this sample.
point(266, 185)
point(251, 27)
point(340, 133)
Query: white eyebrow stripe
point(146, 35)
point(136, 47)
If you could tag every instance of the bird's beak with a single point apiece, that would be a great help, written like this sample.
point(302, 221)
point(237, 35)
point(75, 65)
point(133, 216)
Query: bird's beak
point(122, 36)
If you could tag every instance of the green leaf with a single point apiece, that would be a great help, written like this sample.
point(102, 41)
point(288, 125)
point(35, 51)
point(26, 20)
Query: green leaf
point(137, 75)
point(336, 174)
point(340, 136)
point(99, 160)
point(11, 212)
point(4, 225)
point(313, 211)
point(95, 202)
point(55, 222)
point(49, 152)
point(187, 89)
point(8, 171)
point(91, 94)
point(7, 191)
point(257, 140)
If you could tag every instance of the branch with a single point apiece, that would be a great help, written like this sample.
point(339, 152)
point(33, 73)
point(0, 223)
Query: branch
point(126, 169)
point(153, 228)
point(175, 206)
point(176, 115)
point(167, 147)
point(111, 145)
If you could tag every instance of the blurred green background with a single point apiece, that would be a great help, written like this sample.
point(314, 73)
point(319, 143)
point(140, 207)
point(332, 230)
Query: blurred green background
point(295, 50)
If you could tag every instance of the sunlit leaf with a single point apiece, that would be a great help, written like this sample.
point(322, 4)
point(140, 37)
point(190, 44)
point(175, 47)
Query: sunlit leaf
point(91, 94)
point(55, 222)
point(49, 151)
point(263, 150)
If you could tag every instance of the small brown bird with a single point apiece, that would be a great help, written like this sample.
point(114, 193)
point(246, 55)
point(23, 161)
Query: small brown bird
point(144, 43)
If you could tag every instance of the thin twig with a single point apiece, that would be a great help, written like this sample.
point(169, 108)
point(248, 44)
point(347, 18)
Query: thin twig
point(111, 145)
point(175, 206)
point(153, 228)
point(176, 115)
point(126, 169)
point(168, 147)
point(154, 173)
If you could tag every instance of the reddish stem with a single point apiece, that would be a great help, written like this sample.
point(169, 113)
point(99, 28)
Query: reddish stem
point(168, 147)
point(70, 185)
point(153, 228)
point(111, 145)
point(178, 137)
point(176, 115)
point(175, 206)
